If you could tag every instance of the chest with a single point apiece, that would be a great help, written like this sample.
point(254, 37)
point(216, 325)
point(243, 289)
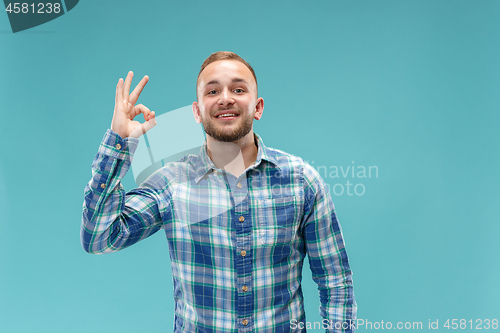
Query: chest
point(222, 212)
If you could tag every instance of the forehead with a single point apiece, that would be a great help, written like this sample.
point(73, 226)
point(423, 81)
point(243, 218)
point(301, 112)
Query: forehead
point(225, 71)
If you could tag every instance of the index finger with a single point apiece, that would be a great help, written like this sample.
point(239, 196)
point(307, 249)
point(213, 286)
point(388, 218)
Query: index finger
point(134, 96)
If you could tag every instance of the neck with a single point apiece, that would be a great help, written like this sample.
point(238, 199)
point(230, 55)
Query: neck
point(234, 157)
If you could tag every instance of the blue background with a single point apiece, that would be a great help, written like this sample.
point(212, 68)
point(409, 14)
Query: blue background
point(411, 87)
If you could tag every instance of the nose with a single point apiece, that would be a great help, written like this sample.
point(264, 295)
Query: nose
point(225, 98)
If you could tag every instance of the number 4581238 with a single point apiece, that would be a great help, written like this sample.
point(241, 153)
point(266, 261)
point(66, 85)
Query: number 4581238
point(40, 8)
point(479, 324)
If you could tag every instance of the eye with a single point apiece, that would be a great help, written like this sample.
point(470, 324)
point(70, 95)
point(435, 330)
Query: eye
point(239, 90)
point(212, 92)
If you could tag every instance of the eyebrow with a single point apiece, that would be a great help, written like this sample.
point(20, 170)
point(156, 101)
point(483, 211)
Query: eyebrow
point(235, 80)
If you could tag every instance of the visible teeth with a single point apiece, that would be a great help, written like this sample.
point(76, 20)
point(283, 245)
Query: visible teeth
point(227, 115)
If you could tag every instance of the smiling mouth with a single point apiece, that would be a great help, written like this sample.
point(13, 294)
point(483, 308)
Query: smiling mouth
point(227, 116)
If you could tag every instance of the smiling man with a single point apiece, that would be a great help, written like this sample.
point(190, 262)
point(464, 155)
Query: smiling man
point(239, 217)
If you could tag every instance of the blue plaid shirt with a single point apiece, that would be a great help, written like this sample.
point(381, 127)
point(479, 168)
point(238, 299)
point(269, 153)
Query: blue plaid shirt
point(237, 245)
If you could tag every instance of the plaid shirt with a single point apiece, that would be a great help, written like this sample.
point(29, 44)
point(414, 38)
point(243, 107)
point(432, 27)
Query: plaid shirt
point(237, 245)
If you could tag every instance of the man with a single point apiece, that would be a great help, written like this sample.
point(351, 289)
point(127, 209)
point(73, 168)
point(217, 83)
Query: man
point(239, 217)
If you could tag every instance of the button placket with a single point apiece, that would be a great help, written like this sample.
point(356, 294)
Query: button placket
point(243, 258)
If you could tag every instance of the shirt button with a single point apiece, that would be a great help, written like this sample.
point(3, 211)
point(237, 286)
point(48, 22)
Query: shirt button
point(244, 322)
point(118, 146)
point(103, 185)
point(245, 288)
point(242, 219)
point(239, 185)
point(243, 253)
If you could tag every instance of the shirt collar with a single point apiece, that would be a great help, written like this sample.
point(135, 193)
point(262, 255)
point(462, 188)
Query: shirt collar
point(204, 164)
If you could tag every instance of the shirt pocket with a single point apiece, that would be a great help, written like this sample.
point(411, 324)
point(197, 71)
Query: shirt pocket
point(277, 220)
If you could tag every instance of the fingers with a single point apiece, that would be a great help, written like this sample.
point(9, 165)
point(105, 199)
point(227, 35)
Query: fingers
point(126, 88)
point(119, 92)
point(149, 124)
point(125, 102)
point(144, 127)
point(151, 116)
point(134, 96)
point(140, 108)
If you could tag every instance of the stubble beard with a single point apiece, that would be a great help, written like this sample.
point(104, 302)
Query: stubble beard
point(221, 135)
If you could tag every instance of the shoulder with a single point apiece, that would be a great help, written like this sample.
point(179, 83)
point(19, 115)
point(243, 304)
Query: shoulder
point(294, 164)
point(299, 172)
point(186, 162)
point(285, 159)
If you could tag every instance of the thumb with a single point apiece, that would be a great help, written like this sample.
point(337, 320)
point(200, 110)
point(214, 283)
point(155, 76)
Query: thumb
point(147, 125)
point(143, 128)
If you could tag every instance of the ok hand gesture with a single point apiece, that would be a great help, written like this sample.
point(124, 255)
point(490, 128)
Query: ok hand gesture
point(123, 121)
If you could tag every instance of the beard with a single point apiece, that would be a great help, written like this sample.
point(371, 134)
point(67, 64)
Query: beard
point(219, 134)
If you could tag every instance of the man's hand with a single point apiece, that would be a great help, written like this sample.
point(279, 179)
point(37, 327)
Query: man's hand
point(123, 121)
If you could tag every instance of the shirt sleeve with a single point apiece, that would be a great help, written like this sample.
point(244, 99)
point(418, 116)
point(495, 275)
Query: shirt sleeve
point(112, 219)
point(327, 255)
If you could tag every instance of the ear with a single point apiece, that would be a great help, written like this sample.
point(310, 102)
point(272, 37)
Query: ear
point(196, 112)
point(259, 108)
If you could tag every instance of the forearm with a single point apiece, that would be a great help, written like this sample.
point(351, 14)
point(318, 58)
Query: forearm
point(110, 221)
point(337, 302)
point(331, 272)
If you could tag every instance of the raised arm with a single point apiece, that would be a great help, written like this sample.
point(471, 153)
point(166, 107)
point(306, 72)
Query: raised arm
point(113, 219)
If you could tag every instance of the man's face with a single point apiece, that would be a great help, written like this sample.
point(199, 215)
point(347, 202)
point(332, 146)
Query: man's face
point(227, 100)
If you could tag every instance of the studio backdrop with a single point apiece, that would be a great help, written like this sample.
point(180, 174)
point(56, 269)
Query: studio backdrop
point(394, 103)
